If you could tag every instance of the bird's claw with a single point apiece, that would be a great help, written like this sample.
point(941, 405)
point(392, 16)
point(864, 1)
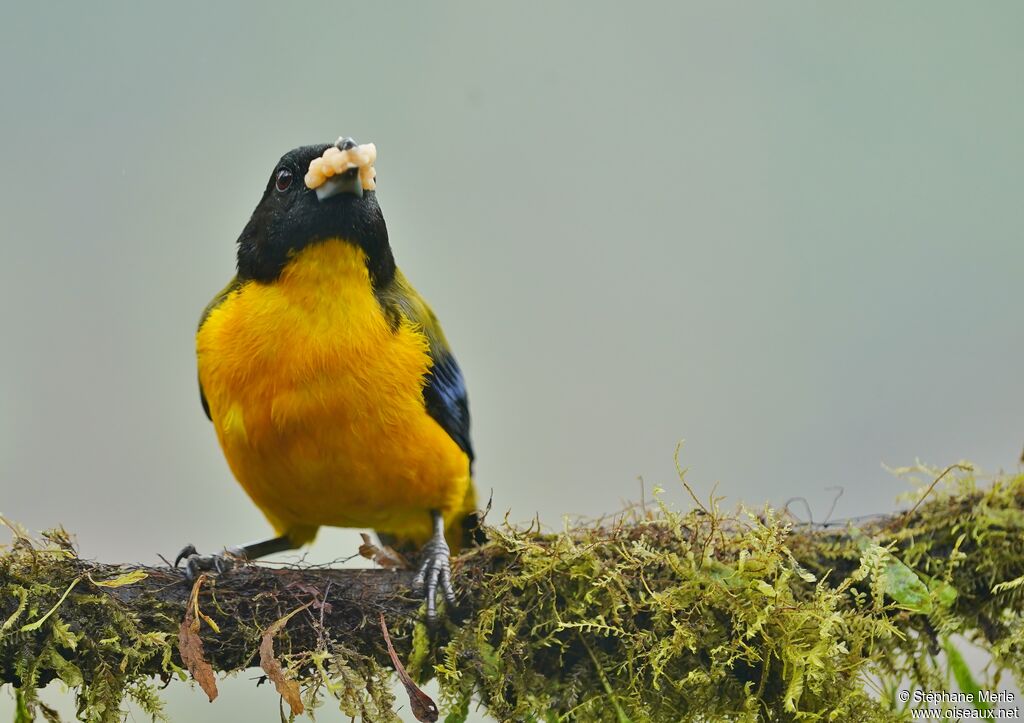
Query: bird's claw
point(196, 563)
point(435, 571)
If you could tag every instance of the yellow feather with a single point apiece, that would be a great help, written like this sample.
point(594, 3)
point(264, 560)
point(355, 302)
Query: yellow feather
point(234, 423)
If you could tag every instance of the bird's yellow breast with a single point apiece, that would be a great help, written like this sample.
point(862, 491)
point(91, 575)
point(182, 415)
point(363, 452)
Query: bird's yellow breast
point(317, 399)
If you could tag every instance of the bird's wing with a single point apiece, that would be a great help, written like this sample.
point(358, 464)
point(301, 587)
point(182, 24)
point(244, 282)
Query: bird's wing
point(217, 301)
point(444, 393)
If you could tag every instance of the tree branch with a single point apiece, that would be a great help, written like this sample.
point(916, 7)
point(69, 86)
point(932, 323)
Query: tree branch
point(648, 616)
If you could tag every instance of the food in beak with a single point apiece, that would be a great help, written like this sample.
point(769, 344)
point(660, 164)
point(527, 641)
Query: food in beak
point(335, 162)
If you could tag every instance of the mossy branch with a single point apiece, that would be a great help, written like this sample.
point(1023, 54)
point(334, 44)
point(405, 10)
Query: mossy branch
point(654, 615)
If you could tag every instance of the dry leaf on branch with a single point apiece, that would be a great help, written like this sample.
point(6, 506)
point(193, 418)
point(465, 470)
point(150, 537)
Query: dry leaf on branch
point(190, 645)
point(288, 689)
point(385, 556)
point(423, 706)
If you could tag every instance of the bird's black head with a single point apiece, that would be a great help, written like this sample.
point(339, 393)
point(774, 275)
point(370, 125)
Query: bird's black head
point(291, 216)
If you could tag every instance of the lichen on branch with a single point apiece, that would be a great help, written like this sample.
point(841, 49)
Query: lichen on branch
point(651, 615)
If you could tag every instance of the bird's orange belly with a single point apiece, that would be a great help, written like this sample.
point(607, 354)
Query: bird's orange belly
point(318, 403)
point(335, 464)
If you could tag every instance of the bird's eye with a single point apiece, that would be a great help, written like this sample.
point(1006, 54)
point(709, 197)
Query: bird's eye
point(284, 179)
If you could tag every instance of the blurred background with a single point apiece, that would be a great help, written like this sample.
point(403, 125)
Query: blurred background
point(788, 233)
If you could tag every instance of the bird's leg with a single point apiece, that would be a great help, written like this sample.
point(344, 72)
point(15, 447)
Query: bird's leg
point(435, 569)
point(196, 563)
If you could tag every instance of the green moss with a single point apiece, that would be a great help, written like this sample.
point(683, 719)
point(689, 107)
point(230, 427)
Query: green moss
point(708, 616)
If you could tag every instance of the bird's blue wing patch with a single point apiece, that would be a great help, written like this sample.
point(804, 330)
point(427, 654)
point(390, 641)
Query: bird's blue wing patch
point(446, 399)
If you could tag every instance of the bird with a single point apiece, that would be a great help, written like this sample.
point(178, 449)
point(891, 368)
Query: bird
point(334, 394)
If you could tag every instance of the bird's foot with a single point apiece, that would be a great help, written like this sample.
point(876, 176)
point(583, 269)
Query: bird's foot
point(196, 563)
point(435, 572)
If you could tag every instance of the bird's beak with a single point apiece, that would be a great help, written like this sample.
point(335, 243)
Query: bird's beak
point(347, 182)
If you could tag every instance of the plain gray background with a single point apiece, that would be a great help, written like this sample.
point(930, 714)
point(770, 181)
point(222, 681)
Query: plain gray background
point(789, 233)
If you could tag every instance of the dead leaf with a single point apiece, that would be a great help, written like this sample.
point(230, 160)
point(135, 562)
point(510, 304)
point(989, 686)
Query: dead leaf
point(190, 645)
point(288, 689)
point(385, 556)
point(422, 705)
